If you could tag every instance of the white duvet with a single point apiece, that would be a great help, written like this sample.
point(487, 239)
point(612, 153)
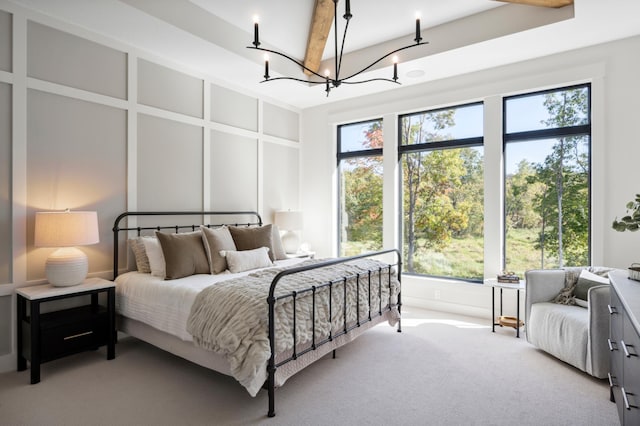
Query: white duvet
point(165, 305)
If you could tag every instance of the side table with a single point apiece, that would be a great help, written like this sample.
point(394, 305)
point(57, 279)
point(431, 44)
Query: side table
point(495, 284)
point(47, 336)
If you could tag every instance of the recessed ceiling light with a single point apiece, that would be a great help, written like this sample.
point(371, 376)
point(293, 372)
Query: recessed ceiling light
point(415, 74)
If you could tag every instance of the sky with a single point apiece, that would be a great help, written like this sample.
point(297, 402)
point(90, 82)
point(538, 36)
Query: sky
point(523, 113)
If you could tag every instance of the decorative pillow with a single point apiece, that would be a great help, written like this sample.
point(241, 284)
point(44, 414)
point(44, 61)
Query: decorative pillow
point(239, 261)
point(140, 254)
point(216, 240)
point(278, 248)
point(184, 254)
point(586, 280)
point(249, 238)
point(155, 256)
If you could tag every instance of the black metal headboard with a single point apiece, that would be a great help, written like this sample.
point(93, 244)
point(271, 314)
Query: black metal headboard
point(255, 220)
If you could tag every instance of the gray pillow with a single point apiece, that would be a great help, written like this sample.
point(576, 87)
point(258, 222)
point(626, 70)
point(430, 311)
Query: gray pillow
point(216, 240)
point(586, 280)
point(184, 254)
point(140, 254)
point(249, 238)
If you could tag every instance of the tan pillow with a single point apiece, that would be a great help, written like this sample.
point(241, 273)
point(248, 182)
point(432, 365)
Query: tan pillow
point(184, 254)
point(215, 240)
point(240, 261)
point(278, 248)
point(249, 238)
point(140, 254)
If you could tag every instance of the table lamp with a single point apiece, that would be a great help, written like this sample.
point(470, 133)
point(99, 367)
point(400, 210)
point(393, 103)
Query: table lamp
point(68, 265)
point(289, 221)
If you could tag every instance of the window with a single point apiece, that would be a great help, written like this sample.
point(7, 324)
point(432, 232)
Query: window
point(360, 205)
point(441, 153)
point(547, 138)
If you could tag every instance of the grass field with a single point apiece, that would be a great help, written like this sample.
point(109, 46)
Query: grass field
point(464, 258)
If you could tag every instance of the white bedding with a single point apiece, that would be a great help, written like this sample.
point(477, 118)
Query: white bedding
point(165, 305)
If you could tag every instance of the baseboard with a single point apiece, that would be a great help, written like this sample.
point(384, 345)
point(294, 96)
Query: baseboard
point(8, 363)
point(455, 308)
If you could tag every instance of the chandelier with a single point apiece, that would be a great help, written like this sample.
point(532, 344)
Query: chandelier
point(326, 79)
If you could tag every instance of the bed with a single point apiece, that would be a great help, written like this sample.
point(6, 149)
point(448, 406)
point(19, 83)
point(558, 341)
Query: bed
point(248, 310)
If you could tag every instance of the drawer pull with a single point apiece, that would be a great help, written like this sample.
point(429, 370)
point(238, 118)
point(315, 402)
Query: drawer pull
point(611, 348)
point(612, 309)
point(626, 400)
point(75, 336)
point(611, 384)
point(626, 350)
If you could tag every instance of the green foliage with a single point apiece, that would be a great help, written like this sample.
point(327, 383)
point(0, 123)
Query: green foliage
point(630, 222)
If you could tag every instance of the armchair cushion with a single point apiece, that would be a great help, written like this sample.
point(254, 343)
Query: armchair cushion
point(561, 330)
point(555, 324)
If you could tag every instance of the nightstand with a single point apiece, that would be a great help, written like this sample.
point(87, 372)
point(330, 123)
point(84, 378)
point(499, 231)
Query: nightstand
point(503, 320)
point(302, 255)
point(47, 336)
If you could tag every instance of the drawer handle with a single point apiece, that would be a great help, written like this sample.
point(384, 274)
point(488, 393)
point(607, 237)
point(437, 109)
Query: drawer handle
point(626, 399)
point(75, 336)
point(612, 309)
point(611, 384)
point(611, 348)
point(626, 350)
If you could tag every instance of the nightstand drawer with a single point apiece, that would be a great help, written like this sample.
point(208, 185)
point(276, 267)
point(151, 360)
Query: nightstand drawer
point(70, 331)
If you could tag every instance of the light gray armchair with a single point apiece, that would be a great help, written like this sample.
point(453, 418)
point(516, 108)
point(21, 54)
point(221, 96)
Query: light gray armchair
point(573, 334)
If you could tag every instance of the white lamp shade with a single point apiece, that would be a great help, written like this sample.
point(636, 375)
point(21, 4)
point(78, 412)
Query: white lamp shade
point(66, 229)
point(288, 220)
point(66, 266)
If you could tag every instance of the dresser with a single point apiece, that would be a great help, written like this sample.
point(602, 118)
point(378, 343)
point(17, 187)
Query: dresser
point(624, 344)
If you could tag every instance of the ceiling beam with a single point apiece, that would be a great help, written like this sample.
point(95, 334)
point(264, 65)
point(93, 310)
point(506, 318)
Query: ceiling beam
point(543, 3)
point(318, 33)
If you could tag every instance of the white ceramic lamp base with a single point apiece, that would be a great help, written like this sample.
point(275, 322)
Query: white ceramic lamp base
point(66, 266)
point(290, 242)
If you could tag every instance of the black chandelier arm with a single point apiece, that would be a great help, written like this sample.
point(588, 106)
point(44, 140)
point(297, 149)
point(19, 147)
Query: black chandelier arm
point(370, 80)
point(297, 79)
point(384, 57)
point(339, 61)
point(289, 58)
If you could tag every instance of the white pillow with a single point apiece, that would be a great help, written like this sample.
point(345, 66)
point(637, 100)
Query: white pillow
point(156, 258)
point(245, 260)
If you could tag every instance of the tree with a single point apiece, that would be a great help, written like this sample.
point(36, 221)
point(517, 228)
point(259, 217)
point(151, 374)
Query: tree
point(564, 174)
point(362, 195)
point(434, 206)
point(521, 192)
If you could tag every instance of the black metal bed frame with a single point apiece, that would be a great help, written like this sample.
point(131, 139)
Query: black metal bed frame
point(273, 299)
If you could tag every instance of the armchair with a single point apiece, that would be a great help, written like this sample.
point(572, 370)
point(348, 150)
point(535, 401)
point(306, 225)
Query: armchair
point(571, 333)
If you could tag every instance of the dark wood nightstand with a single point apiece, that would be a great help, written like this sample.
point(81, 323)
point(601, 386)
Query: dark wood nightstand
point(52, 335)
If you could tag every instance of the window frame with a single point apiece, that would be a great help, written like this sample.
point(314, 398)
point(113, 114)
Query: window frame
point(470, 142)
point(554, 133)
point(372, 152)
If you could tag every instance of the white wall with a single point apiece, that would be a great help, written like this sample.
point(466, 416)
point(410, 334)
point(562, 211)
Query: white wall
point(613, 70)
point(91, 123)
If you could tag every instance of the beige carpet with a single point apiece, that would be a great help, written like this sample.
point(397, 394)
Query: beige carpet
point(443, 369)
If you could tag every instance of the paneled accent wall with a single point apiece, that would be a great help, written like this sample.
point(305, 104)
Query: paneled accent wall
point(167, 89)
point(169, 164)
point(233, 108)
point(62, 58)
point(6, 33)
point(234, 172)
point(5, 183)
point(91, 123)
point(281, 122)
point(76, 159)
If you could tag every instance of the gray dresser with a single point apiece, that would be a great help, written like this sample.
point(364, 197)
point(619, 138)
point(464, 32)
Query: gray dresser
point(624, 343)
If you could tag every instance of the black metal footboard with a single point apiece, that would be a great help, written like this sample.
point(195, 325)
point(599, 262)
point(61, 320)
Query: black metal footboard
point(375, 279)
point(373, 311)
